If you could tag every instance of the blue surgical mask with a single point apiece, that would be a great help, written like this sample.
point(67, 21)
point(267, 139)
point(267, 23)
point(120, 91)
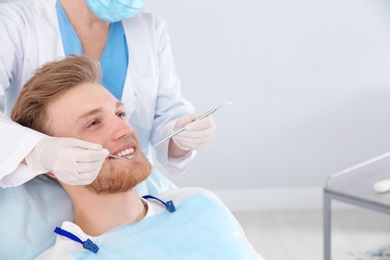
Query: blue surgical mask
point(115, 10)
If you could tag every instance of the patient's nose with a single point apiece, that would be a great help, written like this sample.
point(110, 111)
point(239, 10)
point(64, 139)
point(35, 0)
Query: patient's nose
point(120, 128)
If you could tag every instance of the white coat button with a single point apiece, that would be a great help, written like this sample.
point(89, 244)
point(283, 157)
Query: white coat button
point(135, 94)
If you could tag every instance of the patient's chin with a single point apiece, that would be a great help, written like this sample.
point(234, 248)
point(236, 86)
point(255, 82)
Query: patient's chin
point(114, 178)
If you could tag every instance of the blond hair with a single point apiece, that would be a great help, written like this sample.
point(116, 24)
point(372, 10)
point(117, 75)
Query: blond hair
point(49, 82)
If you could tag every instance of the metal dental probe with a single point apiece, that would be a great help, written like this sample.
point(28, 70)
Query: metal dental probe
point(122, 158)
point(114, 156)
point(178, 131)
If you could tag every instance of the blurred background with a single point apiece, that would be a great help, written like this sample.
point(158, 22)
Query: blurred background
point(310, 86)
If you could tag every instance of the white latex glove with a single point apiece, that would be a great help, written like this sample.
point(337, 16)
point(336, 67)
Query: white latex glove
point(72, 161)
point(197, 135)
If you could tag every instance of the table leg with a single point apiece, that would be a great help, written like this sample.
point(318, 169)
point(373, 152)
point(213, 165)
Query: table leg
point(327, 226)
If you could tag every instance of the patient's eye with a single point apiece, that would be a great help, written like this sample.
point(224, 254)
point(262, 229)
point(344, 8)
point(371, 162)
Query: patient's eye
point(92, 123)
point(121, 114)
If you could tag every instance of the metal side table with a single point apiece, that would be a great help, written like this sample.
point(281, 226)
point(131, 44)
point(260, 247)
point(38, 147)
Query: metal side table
point(355, 186)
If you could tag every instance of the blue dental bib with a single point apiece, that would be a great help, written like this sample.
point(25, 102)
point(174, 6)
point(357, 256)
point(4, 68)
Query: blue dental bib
point(200, 228)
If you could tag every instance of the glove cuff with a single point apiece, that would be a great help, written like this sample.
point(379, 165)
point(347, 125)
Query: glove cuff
point(33, 158)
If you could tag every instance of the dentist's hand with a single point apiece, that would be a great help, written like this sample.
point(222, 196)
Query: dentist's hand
point(72, 161)
point(197, 135)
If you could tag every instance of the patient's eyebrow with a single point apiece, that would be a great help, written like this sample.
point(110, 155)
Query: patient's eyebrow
point(96, 111)
point(119, 104)
point(89, 113)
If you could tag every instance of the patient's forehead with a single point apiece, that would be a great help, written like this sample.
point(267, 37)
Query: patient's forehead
point(64, 111)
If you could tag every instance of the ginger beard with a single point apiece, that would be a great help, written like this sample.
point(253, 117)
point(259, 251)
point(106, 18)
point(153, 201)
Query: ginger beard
point(116, 177)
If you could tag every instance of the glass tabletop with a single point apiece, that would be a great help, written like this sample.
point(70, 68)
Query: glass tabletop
point(357, 181)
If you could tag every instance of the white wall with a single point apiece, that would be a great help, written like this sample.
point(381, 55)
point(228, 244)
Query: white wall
point(309, 82)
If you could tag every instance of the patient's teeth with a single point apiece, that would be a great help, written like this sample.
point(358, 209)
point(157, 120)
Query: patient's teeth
point(126, 152)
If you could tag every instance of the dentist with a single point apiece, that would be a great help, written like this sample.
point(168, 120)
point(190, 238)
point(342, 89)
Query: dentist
point(134, 52)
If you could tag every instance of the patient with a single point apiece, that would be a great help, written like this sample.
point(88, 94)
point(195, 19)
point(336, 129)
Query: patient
point(65, 99)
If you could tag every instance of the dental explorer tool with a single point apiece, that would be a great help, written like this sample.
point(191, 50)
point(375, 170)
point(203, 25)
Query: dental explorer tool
point(178, 131)
point(122, 158)
point(113, 156)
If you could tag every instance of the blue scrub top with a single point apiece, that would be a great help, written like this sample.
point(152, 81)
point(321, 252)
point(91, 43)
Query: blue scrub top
point(114, 60)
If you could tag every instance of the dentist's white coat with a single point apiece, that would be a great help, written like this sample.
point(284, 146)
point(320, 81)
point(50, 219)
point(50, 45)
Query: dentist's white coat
point(30, 37)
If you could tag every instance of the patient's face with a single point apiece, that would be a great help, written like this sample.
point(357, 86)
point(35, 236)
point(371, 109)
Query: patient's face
point(89, 112)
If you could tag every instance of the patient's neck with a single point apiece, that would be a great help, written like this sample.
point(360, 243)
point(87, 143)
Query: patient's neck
point(97, 214)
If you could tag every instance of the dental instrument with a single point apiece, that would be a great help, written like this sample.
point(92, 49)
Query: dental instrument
point(178, 131)
point(122, 158)
point(114, 156)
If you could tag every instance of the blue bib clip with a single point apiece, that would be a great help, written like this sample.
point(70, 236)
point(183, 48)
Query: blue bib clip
point(87, 244)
